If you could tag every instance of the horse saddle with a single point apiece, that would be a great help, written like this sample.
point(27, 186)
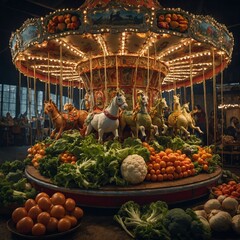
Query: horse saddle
point(71, 116)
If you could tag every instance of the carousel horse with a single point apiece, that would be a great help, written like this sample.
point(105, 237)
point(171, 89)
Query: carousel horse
point(139, 119)
point(191, 123)
point(75, 119)
point(176, 120)
point(108, 120)
point(156, 114)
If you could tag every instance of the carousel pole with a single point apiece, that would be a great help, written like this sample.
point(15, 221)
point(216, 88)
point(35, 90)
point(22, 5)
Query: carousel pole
point(135, 83)
point(117, 73)
point(148, 73)
point(214, 99)
point(29, 107)
point(35, 101)
point(49, 88)
point(91, 84)
point(61, 80)
point(191, 82)
point(105, 77)
point(205, 105)
point(222, 115)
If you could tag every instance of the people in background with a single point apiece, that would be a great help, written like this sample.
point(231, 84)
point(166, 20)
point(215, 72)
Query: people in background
point(234, 128)
point(200, 120)
point(9, 119)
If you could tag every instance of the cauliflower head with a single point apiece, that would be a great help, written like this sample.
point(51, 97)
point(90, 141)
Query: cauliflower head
point(134, 169)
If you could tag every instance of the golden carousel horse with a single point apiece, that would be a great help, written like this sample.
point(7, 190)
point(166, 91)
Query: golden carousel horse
point(139, 119)
point(180, 119)
point(107, 121)
point(176, 119)
point(191, 122)
point(156, 114)
point(75, 119)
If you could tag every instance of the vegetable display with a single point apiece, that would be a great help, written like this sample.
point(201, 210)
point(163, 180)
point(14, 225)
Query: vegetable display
point(156, 221)
point(14, 186)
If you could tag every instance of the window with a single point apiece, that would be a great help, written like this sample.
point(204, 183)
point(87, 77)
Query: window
point(40, 102)
point(23, 100)
point(0, 98)
point(9, 100)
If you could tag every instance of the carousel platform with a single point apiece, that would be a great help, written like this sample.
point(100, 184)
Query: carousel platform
point(172, 192)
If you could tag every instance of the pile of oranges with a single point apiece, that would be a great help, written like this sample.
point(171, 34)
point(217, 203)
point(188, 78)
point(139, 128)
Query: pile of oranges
point(47, 215)
point(66, 157)
point(168, 165)
point(36, 152)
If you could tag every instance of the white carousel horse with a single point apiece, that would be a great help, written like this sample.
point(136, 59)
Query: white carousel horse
point(139, 120)
point(107, 121)
point(156, 114)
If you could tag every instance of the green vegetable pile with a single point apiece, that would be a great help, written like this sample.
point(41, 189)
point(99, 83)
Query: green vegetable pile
point(155, 221)
point(97, 164)
point(14, 186)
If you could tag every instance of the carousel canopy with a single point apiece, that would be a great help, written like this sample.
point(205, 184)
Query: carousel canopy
point(123, 43)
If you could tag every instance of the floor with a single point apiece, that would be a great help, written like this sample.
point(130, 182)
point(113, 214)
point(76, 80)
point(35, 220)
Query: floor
point(97, 224)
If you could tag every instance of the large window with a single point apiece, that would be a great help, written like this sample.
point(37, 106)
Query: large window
point(23, 100)
point(9, 100)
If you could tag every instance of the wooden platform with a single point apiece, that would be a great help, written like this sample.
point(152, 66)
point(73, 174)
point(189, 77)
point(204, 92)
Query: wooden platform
point(113, 196)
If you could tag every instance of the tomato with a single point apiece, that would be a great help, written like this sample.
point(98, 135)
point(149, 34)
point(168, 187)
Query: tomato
point(57, 211)
point(34, 212)
point(64, 224)
point(29, 203)
point(18, 214)
point(44, 203)
point(38, 229)
point(41, 194)
point(52, 225)
point(159, 177)
point(77, 212)
point(70, 204)
point(25, 225)
point(43, 218)
point(58, 198)
point(72, 219)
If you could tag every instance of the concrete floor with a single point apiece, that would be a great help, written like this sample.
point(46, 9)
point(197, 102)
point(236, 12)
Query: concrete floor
point(97, 224)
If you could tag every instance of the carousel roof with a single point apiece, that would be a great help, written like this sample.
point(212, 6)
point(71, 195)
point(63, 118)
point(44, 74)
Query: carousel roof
point(70, 46)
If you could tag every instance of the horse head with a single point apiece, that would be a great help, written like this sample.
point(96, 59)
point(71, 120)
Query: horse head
point(143, 100)
point(186, 106)
point(176, 98)
point(121, 100)
point(68, 107)
point(49, 106)
point(164, 103)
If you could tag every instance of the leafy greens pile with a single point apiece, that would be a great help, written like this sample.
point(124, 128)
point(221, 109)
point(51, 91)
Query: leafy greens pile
point(97, 164)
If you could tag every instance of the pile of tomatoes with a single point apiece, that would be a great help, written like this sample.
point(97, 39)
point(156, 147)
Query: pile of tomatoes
point(229, 189)
point(36, 152)
point(168, 165)
point(66, 157)
point(47, 215)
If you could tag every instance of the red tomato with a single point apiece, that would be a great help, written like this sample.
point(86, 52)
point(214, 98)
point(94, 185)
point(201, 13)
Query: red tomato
point(38, 229)
point(18, 214)
point(25, 225)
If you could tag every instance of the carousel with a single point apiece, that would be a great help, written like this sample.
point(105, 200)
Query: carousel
point(123, 56)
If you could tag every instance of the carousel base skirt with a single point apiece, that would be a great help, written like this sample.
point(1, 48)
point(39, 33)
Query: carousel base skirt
point(172, 192)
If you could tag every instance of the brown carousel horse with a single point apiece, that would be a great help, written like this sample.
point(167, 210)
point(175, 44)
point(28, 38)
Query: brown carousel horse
point(75, 119)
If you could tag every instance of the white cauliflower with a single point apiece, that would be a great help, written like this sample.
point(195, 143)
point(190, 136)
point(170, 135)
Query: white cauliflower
point(134, 169)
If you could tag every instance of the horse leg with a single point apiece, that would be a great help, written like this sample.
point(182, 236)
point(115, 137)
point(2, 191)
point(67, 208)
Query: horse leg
point(155, 128)
point(196, 128)
point(54, 131)
point(89, 129)
point(185, 131)
point(165, 128)
point(143, 132)
point(115, 133)
point(59, 133)
point(100, 135)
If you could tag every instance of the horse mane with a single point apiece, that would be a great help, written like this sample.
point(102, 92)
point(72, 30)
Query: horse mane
point(54, 104)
